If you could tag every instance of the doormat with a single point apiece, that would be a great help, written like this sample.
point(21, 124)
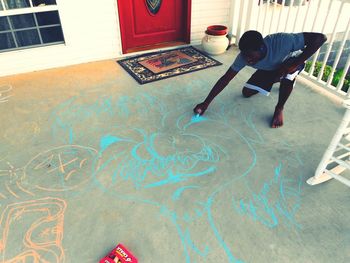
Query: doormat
point(165, 64)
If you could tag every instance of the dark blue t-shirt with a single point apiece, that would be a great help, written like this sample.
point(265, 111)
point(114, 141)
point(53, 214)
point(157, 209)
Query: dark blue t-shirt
point(279, 46)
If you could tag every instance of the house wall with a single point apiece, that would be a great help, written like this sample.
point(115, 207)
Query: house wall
point(93, 34)
point(206, 13)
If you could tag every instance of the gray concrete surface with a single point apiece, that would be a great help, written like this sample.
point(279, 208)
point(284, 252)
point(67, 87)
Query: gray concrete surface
point(89, 158)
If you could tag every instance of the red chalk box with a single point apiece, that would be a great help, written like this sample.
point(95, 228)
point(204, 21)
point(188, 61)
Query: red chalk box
point(119, 255)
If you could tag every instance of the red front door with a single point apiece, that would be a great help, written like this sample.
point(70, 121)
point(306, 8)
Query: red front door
point(145, 24)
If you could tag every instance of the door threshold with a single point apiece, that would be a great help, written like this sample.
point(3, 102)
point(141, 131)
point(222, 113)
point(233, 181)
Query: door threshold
point(161, 45)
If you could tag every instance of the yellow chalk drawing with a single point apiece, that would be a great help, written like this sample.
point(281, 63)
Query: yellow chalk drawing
point(40, 222)
point(21, 134)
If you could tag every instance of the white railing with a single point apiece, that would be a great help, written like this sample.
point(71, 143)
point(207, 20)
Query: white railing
point(329, 67)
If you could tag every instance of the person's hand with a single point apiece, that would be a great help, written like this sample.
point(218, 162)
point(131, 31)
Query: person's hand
point(200, 108)
point(289, 66)
point(286, 69)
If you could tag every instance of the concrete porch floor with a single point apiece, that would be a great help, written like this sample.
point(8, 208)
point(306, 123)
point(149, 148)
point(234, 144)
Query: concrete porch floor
point(89, 158)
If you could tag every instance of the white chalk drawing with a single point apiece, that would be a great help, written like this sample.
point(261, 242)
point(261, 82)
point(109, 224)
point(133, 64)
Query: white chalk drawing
point(11, 180)
point(5, 93)
point(64, 168)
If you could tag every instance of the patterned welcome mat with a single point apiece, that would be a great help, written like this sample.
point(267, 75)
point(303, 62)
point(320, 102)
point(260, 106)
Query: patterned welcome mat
point(160, 65)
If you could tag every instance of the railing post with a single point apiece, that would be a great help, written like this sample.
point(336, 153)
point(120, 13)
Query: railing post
point(337, 58)
point(323, 28)
point(231, 17)
point(288, 14)
point(260, 7)
point(280, 15)
point(273, 14)
point(320, 74)
point(240, 20)
point(248, 16)
point(306, 15)
point(341, 81)
point(264, 21)
point(297, 16)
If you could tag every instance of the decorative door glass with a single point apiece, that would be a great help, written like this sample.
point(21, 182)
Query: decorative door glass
point(153, 6)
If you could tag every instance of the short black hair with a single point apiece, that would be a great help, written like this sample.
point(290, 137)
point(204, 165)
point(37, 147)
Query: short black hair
point(250, 41)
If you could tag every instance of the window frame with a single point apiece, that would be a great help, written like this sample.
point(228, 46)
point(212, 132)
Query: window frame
point(30, 10)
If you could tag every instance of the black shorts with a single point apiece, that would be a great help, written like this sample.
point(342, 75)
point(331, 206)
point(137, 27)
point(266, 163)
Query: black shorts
point(262, 80)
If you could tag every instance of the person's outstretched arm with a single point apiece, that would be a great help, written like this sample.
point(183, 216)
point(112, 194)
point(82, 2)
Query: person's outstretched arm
point(313, 41)
point(218, 87)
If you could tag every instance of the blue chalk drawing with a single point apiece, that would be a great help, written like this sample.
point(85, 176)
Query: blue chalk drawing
point(108, 140)
point(260, 207)
point(179, 191)
point(175, 154)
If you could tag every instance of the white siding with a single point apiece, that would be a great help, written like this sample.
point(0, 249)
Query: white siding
point(91, 31)
point(206, 13)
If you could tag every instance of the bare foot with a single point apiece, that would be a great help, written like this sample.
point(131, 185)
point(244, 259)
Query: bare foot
point(277, 119)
